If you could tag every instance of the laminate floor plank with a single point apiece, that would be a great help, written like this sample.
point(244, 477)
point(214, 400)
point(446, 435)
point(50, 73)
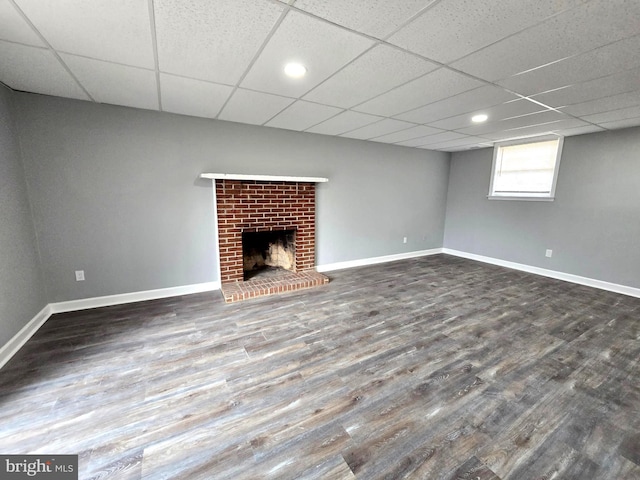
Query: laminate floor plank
point(429, 368)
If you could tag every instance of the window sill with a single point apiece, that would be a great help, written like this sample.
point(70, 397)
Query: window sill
point(524, 199)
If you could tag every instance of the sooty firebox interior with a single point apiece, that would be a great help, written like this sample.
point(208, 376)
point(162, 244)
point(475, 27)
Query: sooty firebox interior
point(265, 251)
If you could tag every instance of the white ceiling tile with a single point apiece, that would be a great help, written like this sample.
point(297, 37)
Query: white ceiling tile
point(614, 115)
point(302, 115)
point(603, 61)
point(192, 97)
point(447, 148)
point(440, 138)
point(499, 112)
point(415, 142)
point(212, 40)
point(321, 47)
point(247, 106)
point(113, 30)
point(377, 129)
point(457, 122)
point(578, 30)
point(14, 28)
point(516, 108)
point(429, 139)
point(36, 70)
point(614, 102)
point(470, 101)
point(516, 122)
point(116, 84)
point(454, 28)
point(430, 88)
point(577, 56)
point(568, 132)
point(408, 134)
point(626, 123)
point(622, 82)
point(467, 147)
point(374, 17)
point(344, 122)
point(459, 142)
point(535, 130)
point(375, 72)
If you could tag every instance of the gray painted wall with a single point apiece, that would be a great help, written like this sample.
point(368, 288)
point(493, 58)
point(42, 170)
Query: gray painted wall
point(22, 293)
point(593, 226)
point(115, 192)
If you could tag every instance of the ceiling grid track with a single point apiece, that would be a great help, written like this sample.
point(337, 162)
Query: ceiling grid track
point(154, 42)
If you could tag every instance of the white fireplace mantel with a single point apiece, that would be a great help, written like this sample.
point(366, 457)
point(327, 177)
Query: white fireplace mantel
point(267, 178)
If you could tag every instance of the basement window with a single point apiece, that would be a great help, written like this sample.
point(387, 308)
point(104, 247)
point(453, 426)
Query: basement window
point(526, 170)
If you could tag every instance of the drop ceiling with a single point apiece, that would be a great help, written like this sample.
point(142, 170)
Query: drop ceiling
point(405, 72)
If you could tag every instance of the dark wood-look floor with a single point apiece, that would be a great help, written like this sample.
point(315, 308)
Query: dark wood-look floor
point(435, 368)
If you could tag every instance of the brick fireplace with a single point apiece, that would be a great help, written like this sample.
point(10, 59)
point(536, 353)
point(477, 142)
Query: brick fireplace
point(248, 206)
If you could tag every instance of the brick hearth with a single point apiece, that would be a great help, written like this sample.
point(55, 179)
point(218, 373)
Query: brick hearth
point(255, 206)
point(284, 282)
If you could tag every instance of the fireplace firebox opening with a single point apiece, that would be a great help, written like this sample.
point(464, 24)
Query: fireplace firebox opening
point(267, 251)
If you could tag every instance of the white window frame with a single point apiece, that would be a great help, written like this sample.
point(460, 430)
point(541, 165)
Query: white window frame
point(536, 197)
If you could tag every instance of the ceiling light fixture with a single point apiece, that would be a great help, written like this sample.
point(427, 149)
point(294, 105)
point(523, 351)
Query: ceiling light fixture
point(295, 70)
point(479, 118)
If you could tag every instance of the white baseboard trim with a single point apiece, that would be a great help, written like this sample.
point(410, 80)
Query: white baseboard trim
point(10, 348)
point(374, 260)
point(109, 300)
point(19, 339)
point(567, 277)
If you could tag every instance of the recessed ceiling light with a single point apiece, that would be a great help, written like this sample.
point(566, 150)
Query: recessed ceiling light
point(295, 70)
point(479, 118)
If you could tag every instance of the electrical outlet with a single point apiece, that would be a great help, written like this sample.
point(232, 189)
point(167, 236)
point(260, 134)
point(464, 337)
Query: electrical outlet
point(548, 253)
point(404, 239)
point(79, 275)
